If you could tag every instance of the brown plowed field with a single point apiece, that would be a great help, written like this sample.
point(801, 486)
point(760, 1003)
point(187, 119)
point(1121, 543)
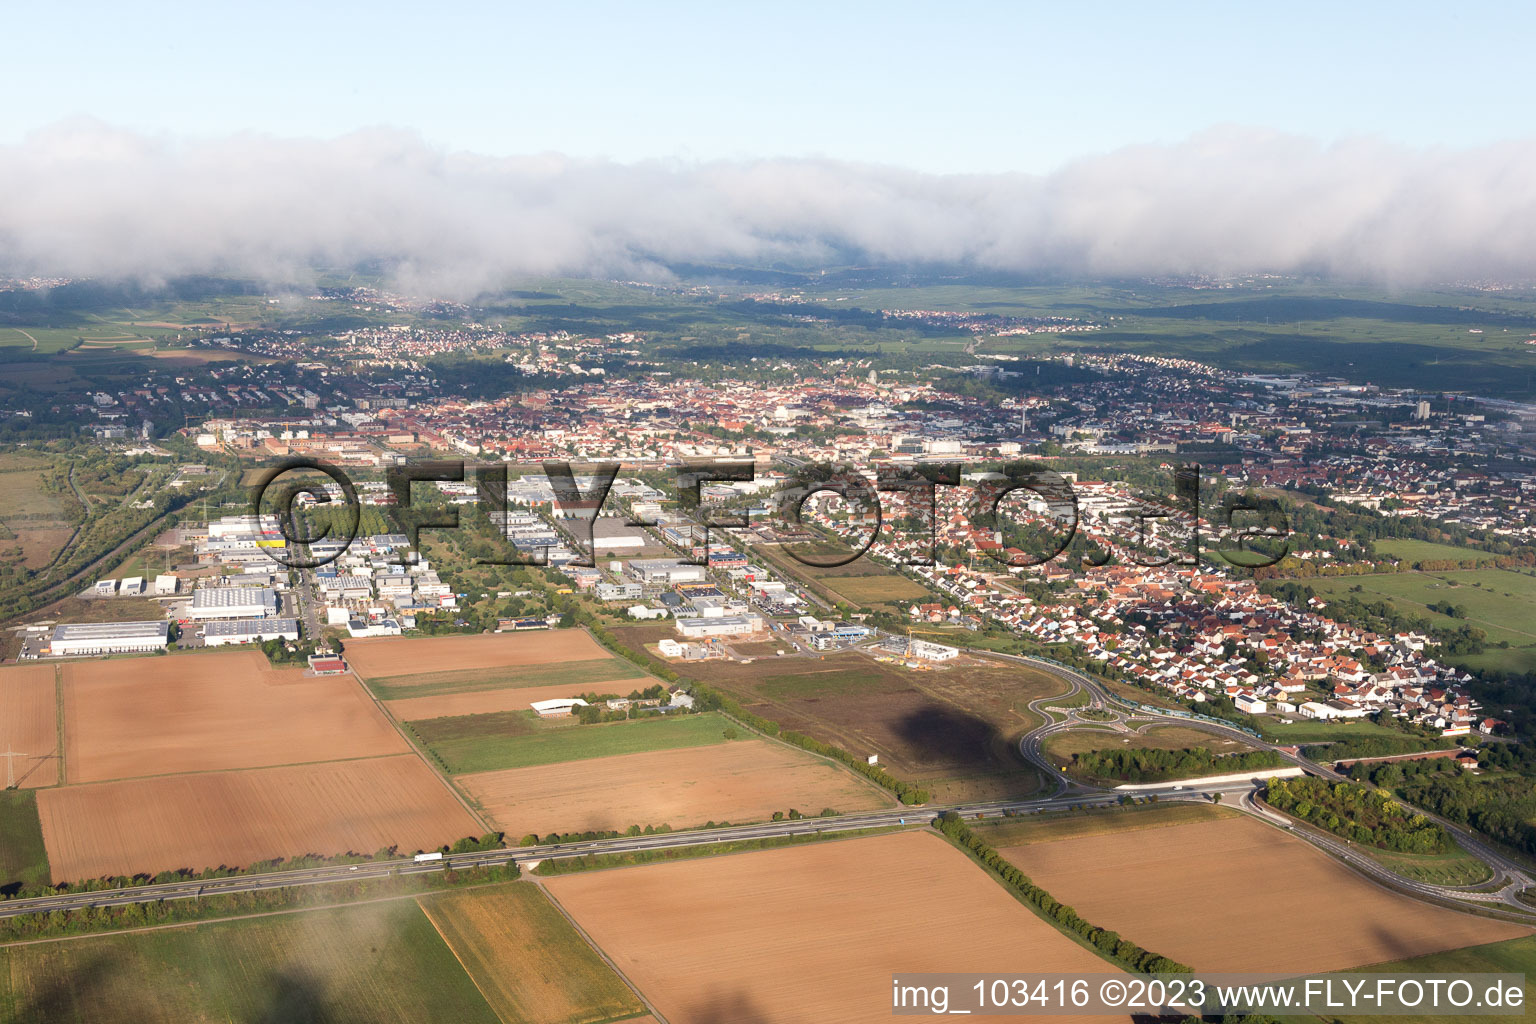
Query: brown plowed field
point(382, 658)
point(29, 716)
point(209, 712)
point(741, 781)
point(809, 934)
point(953, 729)
point(484, 702)
point(237, 818)
point(1236, 895)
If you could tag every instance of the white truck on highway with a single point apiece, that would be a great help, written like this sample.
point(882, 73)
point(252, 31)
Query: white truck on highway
point(422, 858)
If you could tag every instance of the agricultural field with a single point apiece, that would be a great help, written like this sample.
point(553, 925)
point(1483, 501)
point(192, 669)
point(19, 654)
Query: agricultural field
point(741, 781)
point(392, 658)
point(486, 702)
point(585, 673)
point(1045, 828)
point(1500, 602)
point(371, 963)
point(1409, 550)
point(29, 724)
point(873, 590)
point(23, 857)
point(519, 739)
point(237, 818)
point(1162, 897)
point(34, 525)
point(526, 959)
point(808, 934)
point(951, 729)
point(429, 677)
point(1512, 956)
point(128, 718)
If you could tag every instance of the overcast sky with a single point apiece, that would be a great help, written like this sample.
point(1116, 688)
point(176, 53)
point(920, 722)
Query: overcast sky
point(1007, 134)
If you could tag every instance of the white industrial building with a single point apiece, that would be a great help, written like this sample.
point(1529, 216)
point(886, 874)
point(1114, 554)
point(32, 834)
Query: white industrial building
point(723, 625)
point(909, 647)
point(249, 631)
point(665, 570)
point(75, 638)
point(166, 585)
point(559, 707)
point(233, 603)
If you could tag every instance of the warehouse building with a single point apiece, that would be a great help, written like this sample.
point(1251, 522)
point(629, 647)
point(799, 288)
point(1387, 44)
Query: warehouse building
point(249, 631)
point(233, 603)
point(722, 625)
point(75, 638)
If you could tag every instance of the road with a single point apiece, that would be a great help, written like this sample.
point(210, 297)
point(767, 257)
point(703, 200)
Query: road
point(1508, 877)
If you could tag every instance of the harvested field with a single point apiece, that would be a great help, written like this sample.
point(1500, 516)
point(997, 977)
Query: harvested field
point(379, 659)
point(585, 673)
point(526, 959)
point(29, 723)
point(809, 934)
point(484, 702)
point(373, 963)
point(239, 818)
point(1317, 914)
point(212, 711)
point(481, 743)
point(1045, 828)
point(740, 781)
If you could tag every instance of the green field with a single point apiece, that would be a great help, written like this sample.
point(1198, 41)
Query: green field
point(23, 858)
point(868, 590)
point(1424, 550)
point(431, 684)
point(479, 743)
point(1513, 956)
point(1309, 731)
point(368, 963)
point(1456, 868)
point(1500, 602)
point(830, 682)
point(526, 958)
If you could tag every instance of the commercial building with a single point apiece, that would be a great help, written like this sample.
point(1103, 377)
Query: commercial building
point(75, 638)
point(665, 570)
point(233, 603)
point(724, 625)
point(249, 631)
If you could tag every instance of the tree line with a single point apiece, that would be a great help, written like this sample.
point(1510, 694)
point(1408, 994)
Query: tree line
point(1144, 765)
point(1107, 942)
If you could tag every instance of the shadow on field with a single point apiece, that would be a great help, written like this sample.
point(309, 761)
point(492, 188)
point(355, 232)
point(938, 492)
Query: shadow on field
point(735, 1008)
point(946, 734)
point(82, 994)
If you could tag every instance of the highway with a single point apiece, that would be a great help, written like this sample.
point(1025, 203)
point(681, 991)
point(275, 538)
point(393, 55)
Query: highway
point(1500, 893)
point(1508, 879)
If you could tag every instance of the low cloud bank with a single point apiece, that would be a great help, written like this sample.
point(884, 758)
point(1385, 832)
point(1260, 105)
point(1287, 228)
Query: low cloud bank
point(85, 199)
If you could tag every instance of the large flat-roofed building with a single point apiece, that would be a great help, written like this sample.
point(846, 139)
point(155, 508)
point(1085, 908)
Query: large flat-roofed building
point(665, 570)
point(233, 603)
point(72, 638)
point(722, 625)
point(249, 631)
